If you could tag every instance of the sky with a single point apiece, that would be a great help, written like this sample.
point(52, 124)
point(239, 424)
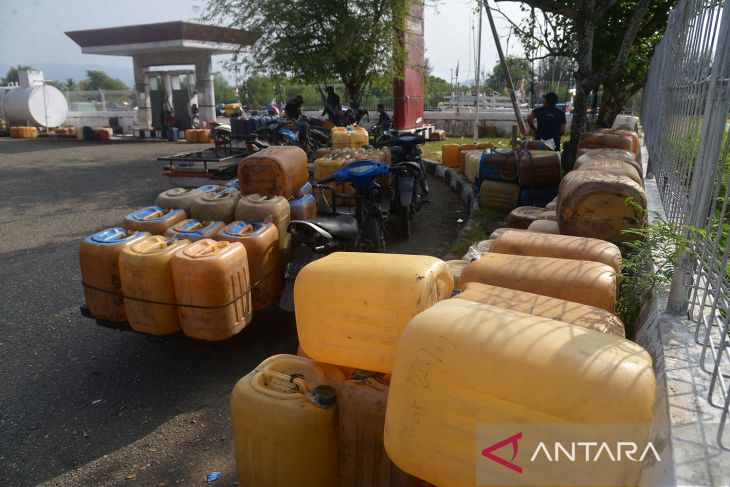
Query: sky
point(32, 32)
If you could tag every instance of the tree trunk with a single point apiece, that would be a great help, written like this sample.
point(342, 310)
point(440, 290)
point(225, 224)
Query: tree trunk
point(584, 32)
point(352, 88)
point(611, 105)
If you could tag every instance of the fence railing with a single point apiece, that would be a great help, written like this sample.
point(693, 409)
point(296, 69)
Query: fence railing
point(100, 100)
point(685, 119)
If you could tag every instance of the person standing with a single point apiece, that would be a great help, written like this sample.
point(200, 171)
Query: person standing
point(550, 120)
point(293, 108)
point(330, 106)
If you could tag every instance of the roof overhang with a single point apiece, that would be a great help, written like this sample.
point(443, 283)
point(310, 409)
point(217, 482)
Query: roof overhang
point(161, 37)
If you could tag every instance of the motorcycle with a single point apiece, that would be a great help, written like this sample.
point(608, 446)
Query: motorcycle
point(362, 231)
point(410, 187)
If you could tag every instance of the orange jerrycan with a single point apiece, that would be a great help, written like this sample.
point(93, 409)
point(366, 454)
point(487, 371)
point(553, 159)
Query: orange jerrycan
point(576, 314)
point(580, 281)
point(284, 416)
point(99, 259)
point(466, 374)
point(153, 219)
point(450, 155)
point(593, 204)
point(256, 207)
point(261, 240)
point(146, 271)
point(544, 226)
point(362, 458)
point(522, 216)
point(627, 157)
point(194, 230)
point(358, 324)
point(303, 207)
point(211, 289)
point(274, 171)
point(559, 247)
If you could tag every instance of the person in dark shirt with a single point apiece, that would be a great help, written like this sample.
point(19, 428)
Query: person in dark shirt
point(384, 117)
point(550, 120)
point(293, 108)
point(330, 106)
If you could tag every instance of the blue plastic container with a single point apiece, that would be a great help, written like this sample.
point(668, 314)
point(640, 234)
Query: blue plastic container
point(306, 189)
point(194, 230)
point(172, 133)
point(234, 184)
point(208, 187)
point(537, 197)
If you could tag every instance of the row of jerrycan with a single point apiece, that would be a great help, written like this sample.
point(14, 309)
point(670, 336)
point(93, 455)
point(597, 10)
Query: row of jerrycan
point(161, 285)
point(437, 349)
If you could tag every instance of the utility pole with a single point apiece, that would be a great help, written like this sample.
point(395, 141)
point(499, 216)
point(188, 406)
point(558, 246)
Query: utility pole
point(476, 88)
point(508, 77)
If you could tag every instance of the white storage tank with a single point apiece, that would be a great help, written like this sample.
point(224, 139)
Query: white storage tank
point(39, 105)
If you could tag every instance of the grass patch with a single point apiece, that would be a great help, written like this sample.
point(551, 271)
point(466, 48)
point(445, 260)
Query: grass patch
point(467, 238)
point(488, 215)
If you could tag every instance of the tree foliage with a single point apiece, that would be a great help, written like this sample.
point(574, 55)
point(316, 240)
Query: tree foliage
point(224, 92)
point(99, 80)
point(12, 75)
point(520, 70)
point(355, 42)
point(608, 39)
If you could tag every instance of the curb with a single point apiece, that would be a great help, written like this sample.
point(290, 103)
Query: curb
point(458, 183)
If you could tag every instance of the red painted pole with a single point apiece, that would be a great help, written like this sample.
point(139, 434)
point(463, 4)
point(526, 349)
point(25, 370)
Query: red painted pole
point(408, 92)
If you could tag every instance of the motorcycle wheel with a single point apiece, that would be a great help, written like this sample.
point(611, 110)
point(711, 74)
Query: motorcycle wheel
point(373, 235)
point(404, 221)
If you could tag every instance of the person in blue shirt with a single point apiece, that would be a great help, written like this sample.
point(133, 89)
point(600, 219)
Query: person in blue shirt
point(550, 120)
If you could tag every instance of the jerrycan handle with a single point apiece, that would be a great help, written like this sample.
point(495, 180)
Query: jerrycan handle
point(154, 214)
point(211, 248)
point(118, 234)
point(322, 396)
point(248, 228)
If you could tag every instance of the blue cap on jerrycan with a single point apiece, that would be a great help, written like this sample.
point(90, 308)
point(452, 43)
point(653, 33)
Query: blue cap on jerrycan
point(114, 236)
point(152, 214)
point(250, 229)
point(324, 395)
point(207, 187)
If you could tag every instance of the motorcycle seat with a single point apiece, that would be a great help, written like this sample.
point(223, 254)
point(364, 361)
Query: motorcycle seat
point(409, 139)
point(342, 226)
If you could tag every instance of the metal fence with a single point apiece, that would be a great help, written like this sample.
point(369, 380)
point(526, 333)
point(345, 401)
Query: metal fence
point(685, 119)
point(100, 100)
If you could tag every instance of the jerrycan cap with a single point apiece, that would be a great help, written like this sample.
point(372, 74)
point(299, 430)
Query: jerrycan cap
point(324, 395)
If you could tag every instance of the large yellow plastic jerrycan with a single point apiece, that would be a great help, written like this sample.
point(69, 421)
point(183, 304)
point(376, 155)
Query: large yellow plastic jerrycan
point(463, 368)
point(146, 273)
point(351, 307)
point(284, 416)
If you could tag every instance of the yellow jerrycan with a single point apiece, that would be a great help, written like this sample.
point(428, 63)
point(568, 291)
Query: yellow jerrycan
point(284, 416)
point(468, 376)
point(146, 272)
point(351, 307)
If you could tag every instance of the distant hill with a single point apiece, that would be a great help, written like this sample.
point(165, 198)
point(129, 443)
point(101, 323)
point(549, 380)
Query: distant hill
point(62, 71)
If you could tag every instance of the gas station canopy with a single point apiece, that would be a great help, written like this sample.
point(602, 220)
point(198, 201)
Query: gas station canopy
point(167, 44)
point(161, 37)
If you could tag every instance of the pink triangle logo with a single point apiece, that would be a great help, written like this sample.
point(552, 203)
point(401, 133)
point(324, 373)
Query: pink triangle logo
point(487, 452)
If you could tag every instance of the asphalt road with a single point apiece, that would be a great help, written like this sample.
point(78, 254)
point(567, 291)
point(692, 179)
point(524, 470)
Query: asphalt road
point(84, 405)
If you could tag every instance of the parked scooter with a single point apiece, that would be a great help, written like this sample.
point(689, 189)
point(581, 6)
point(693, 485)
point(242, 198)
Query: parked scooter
point(409, 176)
point(362, 231)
